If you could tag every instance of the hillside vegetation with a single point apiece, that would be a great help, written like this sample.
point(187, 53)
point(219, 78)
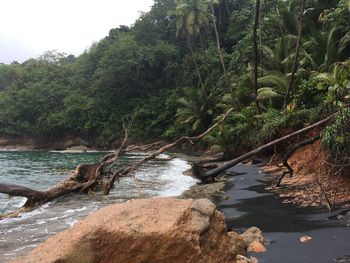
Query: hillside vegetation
point(280, 64)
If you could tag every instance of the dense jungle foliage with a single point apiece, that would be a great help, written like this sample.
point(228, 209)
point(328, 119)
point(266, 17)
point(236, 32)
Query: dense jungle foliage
point(182, 64)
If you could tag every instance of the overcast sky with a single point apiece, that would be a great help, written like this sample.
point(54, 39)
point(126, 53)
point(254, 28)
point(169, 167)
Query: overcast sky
point(28, 28)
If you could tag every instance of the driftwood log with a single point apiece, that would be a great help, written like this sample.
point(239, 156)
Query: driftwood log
point(98, 176)
point(210, 175)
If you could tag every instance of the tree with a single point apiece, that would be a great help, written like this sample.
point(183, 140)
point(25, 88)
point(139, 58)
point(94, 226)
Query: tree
point(256, 55)
point(296, 54)
point(324, 48)
point(218, 45)
point(190, 15)
point(195, 109)
point(98, 176)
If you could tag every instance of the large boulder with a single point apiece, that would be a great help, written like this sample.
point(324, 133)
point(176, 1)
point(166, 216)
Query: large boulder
point(146, 230)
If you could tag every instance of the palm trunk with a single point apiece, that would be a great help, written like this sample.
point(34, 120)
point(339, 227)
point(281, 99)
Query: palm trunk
point(260, 49)
point(206, 64)
point(228, 11)
point(266, 7)
point(256, 54)
point(195, 64)
point(296, 55)
point(218, 45)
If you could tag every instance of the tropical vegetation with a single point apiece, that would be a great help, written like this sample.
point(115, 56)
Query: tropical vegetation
point(280, 64)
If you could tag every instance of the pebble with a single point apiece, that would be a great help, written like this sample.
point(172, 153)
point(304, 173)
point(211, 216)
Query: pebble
point(304, 239)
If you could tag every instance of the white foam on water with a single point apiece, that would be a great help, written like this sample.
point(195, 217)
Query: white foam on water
point(71, 222)
point(26, 215)
point(70, 211)
point(12, 203)
point(15, 251)
point(78, 151)
point(177, 182)
point(158, 178)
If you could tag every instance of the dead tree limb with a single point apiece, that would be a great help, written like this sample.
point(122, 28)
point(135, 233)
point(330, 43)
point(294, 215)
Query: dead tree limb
point(323, 191)
point(130, 169)
point(210, 175)
point(96, 176)
point(16, 190)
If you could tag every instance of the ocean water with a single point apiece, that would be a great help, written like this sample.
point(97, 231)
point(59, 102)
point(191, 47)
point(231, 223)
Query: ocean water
point(41, 169)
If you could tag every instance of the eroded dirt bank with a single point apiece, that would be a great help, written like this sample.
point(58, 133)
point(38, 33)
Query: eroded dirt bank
point(312, 184)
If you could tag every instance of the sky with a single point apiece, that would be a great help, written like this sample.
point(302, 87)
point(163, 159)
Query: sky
point(28, 28)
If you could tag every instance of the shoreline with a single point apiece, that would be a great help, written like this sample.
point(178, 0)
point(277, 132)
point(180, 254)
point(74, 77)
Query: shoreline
point(292, 192)
point(225, 195)
point(300, 190)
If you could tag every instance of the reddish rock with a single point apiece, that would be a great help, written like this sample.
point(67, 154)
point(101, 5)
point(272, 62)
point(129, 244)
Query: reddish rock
point(147, 230)
point(256, 247)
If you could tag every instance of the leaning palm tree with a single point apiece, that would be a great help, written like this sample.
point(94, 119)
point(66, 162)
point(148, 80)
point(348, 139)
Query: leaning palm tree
point(296, 54)
point(255, 48)
point(190, 16)
point(218, 45)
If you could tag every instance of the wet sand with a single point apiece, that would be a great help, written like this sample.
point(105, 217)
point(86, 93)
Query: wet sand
point(246, 203)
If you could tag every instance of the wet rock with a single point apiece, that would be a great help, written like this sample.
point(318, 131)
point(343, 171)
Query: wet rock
point(163, 230)
point(256, 247)
point(253, 234)
point(238, 245)
point(343, 259)
point(226, 197)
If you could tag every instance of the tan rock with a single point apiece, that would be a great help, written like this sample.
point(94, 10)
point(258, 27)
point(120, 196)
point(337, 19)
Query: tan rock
point(147, 230)
point(256, 247)
point(253, 234)
point(243, 259)
point(238, 245)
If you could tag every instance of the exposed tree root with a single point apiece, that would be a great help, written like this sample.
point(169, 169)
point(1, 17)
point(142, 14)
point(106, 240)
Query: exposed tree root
point(289, 153)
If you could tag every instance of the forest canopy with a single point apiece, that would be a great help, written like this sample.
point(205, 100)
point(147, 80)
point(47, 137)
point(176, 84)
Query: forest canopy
point(280, 64)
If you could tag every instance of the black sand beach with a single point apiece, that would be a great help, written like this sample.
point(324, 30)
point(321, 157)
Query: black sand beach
point(246, 203)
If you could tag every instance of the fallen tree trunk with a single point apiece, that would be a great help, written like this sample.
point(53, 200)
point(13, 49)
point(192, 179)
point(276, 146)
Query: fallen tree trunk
point(97, 176)
point(210, 175)
point(74, 183)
